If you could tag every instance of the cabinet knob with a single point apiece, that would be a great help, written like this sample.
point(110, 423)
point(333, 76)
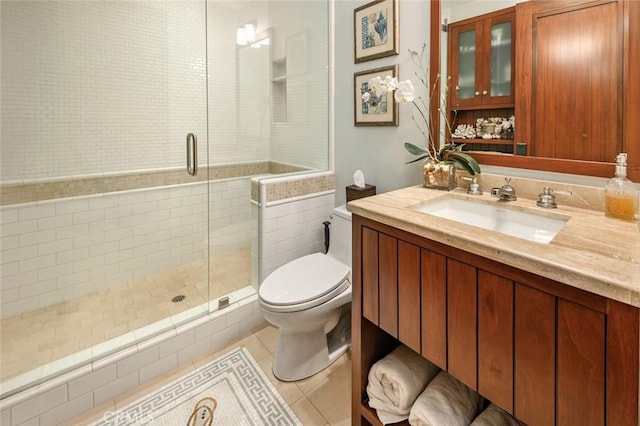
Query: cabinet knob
point(477, 93)
point(484, 92)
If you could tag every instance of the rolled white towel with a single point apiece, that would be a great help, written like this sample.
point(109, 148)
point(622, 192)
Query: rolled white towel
point(494, 416)
point(446, 401)
point(395, 382)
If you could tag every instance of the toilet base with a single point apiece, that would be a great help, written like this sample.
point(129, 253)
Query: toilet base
point(301, 354)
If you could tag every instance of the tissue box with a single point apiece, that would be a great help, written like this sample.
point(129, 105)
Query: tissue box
point(354, 192)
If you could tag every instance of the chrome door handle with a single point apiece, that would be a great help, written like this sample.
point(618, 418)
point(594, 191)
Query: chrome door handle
point(192, 154)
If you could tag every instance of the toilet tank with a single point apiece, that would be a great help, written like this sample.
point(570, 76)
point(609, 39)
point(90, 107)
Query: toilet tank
point(340, 235)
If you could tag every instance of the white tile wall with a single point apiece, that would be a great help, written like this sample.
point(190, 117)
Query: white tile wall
point(303, 138)
point(76, 99)
point(75, 102)
point(55, 250)
point(72, 394)
point(288, 229)
point(292, 229)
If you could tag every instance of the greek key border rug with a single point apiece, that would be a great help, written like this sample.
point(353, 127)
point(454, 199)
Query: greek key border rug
point(231, 390)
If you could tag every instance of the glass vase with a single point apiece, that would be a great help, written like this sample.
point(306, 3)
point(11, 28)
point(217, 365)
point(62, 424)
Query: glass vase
point(440, 175)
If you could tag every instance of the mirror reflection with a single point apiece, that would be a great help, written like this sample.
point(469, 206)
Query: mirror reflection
point(549, 86)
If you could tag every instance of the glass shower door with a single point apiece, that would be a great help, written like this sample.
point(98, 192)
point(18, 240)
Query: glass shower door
point(104, 232)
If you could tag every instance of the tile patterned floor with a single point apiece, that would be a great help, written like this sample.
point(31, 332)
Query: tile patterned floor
point(321, 400)
point(34, 338)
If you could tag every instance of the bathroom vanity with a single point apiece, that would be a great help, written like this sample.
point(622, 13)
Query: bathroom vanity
point(547, 331)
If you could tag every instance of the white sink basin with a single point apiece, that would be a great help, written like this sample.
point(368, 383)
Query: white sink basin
point(495, 217)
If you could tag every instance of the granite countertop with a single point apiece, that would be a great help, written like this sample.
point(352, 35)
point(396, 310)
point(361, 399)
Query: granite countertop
point(591, 252)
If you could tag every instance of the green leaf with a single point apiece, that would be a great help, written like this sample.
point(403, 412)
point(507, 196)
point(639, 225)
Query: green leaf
point(422, 157)
point(466, 161)
point(415, 150)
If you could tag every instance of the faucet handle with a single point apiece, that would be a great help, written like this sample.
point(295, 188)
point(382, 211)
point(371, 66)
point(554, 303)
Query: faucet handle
point(547, 200)
point(507, 192)
point(474, 186)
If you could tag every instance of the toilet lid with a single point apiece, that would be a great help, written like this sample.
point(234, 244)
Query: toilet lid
point(304, 279)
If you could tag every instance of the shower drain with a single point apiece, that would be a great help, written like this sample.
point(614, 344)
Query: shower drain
point(178, 298)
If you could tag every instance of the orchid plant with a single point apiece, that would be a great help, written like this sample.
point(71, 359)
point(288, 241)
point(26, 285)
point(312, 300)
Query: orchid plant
point(404, 93)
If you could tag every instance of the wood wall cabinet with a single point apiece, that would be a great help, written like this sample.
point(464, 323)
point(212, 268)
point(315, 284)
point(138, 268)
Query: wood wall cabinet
point(570, 73)
point(480, 57)
point(547, 353)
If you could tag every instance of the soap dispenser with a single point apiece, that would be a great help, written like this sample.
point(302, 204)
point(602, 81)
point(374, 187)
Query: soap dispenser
point(620, 195)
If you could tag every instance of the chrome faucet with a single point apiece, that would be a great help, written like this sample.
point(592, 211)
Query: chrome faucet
point(474, 186)
point(547, 199)
point(506, 192)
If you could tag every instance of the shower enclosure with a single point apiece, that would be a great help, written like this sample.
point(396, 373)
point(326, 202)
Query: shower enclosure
point(131, 132)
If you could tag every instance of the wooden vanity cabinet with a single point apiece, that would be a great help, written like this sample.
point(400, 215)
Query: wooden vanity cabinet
point(548, 353)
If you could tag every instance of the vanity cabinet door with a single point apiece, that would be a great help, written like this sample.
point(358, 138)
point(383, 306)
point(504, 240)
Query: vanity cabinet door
point(495, 339)
point(535, 354)
point(434, 307)
point(581, 365)
point(370, 274)
point(408, 295)
point(462, 322)
point(380, 280)
point(388, 283)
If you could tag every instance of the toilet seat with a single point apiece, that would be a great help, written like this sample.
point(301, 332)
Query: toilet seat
point(304, 283)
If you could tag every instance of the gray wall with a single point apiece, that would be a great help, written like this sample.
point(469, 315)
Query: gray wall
point(377, 151)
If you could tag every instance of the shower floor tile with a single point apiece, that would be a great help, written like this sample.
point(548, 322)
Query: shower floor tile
point(34, 338)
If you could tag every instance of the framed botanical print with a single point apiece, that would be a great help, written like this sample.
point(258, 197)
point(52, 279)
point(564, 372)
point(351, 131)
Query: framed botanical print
point(376, 30)
point(380, 109)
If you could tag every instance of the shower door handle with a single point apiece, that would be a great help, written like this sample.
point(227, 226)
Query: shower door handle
point(192, 154)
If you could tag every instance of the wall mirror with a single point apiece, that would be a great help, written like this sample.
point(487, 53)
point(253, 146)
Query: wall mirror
point(554, 138)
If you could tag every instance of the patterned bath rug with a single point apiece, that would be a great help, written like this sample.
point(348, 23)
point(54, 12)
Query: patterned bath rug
point(231, 390)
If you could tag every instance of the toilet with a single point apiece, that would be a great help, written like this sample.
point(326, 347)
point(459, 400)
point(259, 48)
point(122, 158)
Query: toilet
point(308, 299)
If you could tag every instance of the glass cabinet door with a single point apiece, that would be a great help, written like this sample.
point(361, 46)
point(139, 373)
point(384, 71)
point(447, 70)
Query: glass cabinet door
point(467, 65)
point(480, 58)
point(500, 81)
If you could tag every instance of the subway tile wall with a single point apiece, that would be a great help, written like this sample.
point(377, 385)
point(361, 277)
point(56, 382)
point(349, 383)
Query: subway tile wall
point(77, 103)
point(55, 250)
point(287, 229)
point(293, 229)
point(98, 87)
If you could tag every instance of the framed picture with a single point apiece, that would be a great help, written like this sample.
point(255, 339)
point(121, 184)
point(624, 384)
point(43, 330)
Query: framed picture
point(380, 109)
point(376, 30)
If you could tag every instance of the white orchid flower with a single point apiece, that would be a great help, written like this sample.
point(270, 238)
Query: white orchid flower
point(389, 83)
point(381, 86)
point(405, 92)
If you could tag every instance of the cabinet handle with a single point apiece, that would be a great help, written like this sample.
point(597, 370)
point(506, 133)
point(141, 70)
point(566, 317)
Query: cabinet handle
point(192, 154)
point(484, 92)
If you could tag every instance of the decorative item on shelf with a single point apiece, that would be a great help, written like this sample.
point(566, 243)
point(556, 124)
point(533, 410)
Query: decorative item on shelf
point(464, 131)
point(440, 163)
point(491, 128)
